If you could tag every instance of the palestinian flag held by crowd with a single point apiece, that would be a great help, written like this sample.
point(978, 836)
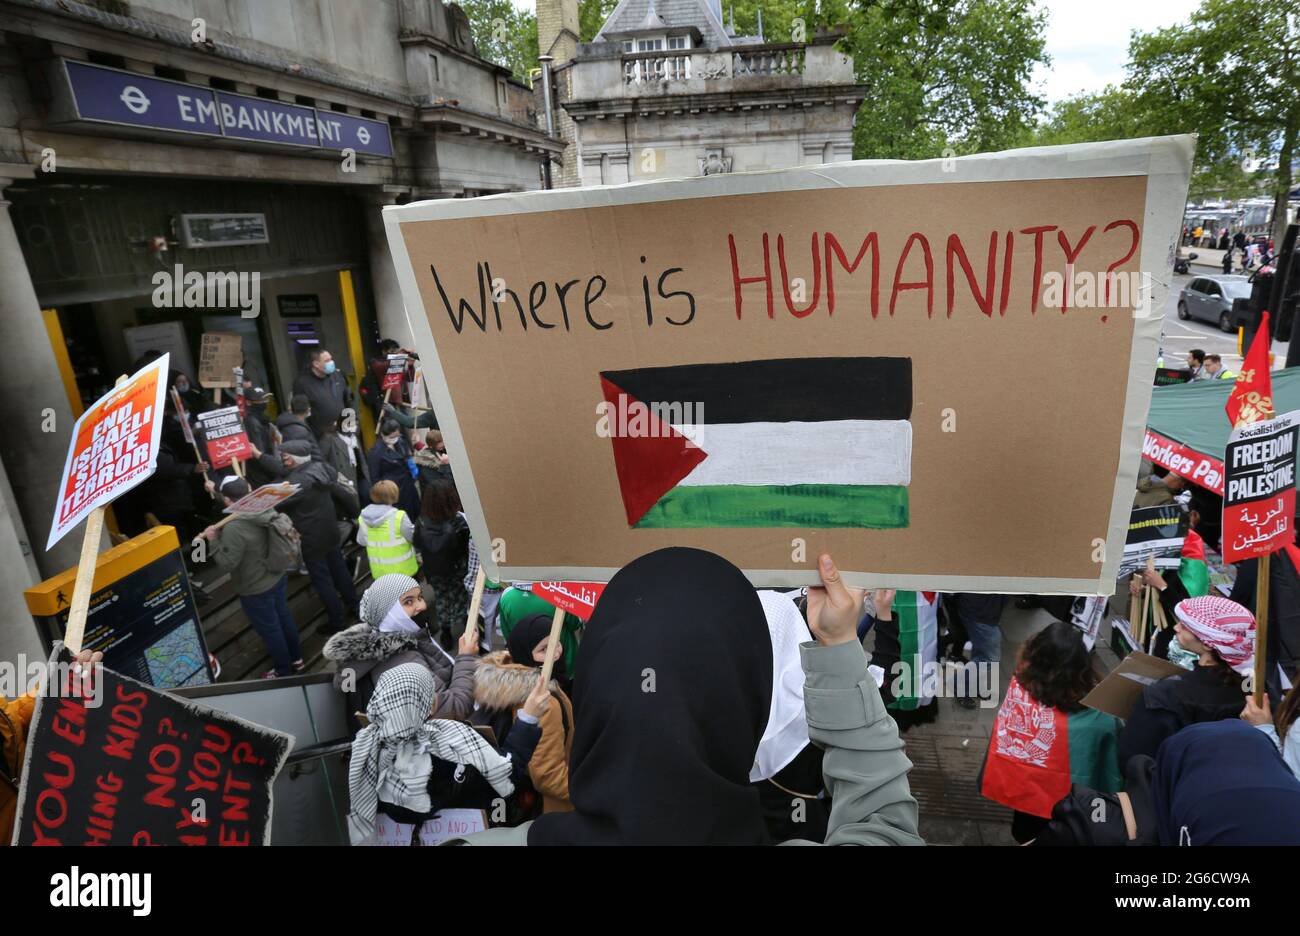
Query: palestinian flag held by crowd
point(1193, 571)
point(1036, 752)
point(796, 442)
point(917, 617)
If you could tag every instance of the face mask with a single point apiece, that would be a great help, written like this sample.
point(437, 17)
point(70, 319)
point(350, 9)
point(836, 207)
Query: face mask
point(329, 368)
point(182, 386)
point(392, 440)
point(1180, 657)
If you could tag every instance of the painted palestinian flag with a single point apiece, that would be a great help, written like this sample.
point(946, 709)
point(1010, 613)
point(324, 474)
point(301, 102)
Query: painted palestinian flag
point(1192, 570)
point(1036, 752)
point(797, 442)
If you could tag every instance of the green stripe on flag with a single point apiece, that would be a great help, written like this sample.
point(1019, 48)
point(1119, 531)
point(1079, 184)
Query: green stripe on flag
point(909, 647)
point(876, 507)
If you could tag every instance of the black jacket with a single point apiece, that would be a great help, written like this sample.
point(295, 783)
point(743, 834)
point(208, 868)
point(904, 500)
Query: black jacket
point(267, 468)
point(1173, 703)
point(328, 396)
point(390, 464)
point(443, 546)
point(171, 488)
point(1283, 614)
point(294, 429)
point(312, 508)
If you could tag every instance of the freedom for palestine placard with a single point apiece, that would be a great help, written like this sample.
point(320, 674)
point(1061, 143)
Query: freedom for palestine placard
point(863, 358)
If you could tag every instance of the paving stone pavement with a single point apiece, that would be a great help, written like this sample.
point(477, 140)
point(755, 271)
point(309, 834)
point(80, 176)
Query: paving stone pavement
point(946, 754)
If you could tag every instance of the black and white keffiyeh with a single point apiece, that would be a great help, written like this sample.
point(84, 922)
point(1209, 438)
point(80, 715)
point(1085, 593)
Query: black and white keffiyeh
point(392, 757)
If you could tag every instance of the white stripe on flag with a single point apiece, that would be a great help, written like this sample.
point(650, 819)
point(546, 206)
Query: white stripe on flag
point(848, 451)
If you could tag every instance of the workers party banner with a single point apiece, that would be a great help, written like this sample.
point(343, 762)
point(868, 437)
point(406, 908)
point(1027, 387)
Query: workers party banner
point(114, 447)
point(1259, 491)
point(856, 358)
point(114, 761)
point(223, 431)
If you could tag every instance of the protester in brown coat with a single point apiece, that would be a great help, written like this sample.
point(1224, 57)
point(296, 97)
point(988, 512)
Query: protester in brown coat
point(501, 686)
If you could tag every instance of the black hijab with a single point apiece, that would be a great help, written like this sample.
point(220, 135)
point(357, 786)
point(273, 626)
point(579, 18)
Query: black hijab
point(668, 766)
point(525, 637)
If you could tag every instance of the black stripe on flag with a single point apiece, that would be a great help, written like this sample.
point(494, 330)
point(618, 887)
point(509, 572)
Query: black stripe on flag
point(779, 390)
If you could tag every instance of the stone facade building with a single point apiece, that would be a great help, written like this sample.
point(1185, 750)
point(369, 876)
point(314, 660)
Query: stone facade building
point(236, 137)
point(666, 89)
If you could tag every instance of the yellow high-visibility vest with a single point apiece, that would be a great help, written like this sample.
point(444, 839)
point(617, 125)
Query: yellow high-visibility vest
point(389, 552)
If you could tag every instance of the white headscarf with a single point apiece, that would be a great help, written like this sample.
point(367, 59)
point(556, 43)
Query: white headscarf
point(392, 757)
point(787, 723)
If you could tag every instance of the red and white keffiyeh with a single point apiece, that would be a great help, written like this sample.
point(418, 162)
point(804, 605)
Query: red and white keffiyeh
point(1222, 625)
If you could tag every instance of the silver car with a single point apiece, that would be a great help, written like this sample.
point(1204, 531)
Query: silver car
point(1209, 299)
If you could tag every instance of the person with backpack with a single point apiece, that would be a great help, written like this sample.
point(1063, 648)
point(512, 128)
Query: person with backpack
point(387, 533)
point(442, 537)
point(312, 511)
point(258, 550)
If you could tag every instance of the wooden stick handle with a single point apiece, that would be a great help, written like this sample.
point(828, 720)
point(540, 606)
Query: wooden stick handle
point(553, 646)
point(81, 588)
point(480, 580)
point(1261, 625)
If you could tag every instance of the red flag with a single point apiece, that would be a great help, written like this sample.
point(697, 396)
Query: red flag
point(1252, 396)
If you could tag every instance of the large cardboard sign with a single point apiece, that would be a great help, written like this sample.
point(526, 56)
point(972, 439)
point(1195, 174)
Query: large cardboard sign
point(223, 431)
point(860, 358)
point(219, 354)
point(114, 447)
point(1259, 491)
point(127, 764)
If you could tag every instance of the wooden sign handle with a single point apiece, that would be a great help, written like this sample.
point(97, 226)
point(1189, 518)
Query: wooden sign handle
point(1261, 625)
point(75, 632)
point(476, 600)
point(553, 646)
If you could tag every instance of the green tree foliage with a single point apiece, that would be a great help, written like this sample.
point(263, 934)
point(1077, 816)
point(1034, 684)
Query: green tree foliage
point(944, 75)
point(1229, 75)
point(592, 15)
point(504, 34)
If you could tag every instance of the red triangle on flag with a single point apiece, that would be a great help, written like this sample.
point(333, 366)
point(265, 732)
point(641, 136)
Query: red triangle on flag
point(649, 465)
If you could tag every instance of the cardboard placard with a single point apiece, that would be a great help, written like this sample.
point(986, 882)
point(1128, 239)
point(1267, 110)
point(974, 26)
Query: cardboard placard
point(772, 365)
point(223, 432)
point(219, 354)
point(114, 447)
point(1155, 533)
point(1119, 692)
point(263, 498)
point(447, 824)
point(577, 598)
point(1259, 489)
point(396, 372)
point(123, 764)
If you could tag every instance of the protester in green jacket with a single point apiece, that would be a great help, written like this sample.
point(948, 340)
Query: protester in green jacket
point(674, 684)
point(241, 547)
point(517, 603)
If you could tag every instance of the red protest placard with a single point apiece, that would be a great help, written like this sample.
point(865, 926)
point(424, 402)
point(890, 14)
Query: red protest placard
point(224, 433)
point(1259, 493)
point(396, 372)
point(114, 447)
point(574, 597)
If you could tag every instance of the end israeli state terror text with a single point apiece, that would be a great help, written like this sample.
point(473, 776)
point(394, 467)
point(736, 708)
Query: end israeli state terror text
point(120, 445)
